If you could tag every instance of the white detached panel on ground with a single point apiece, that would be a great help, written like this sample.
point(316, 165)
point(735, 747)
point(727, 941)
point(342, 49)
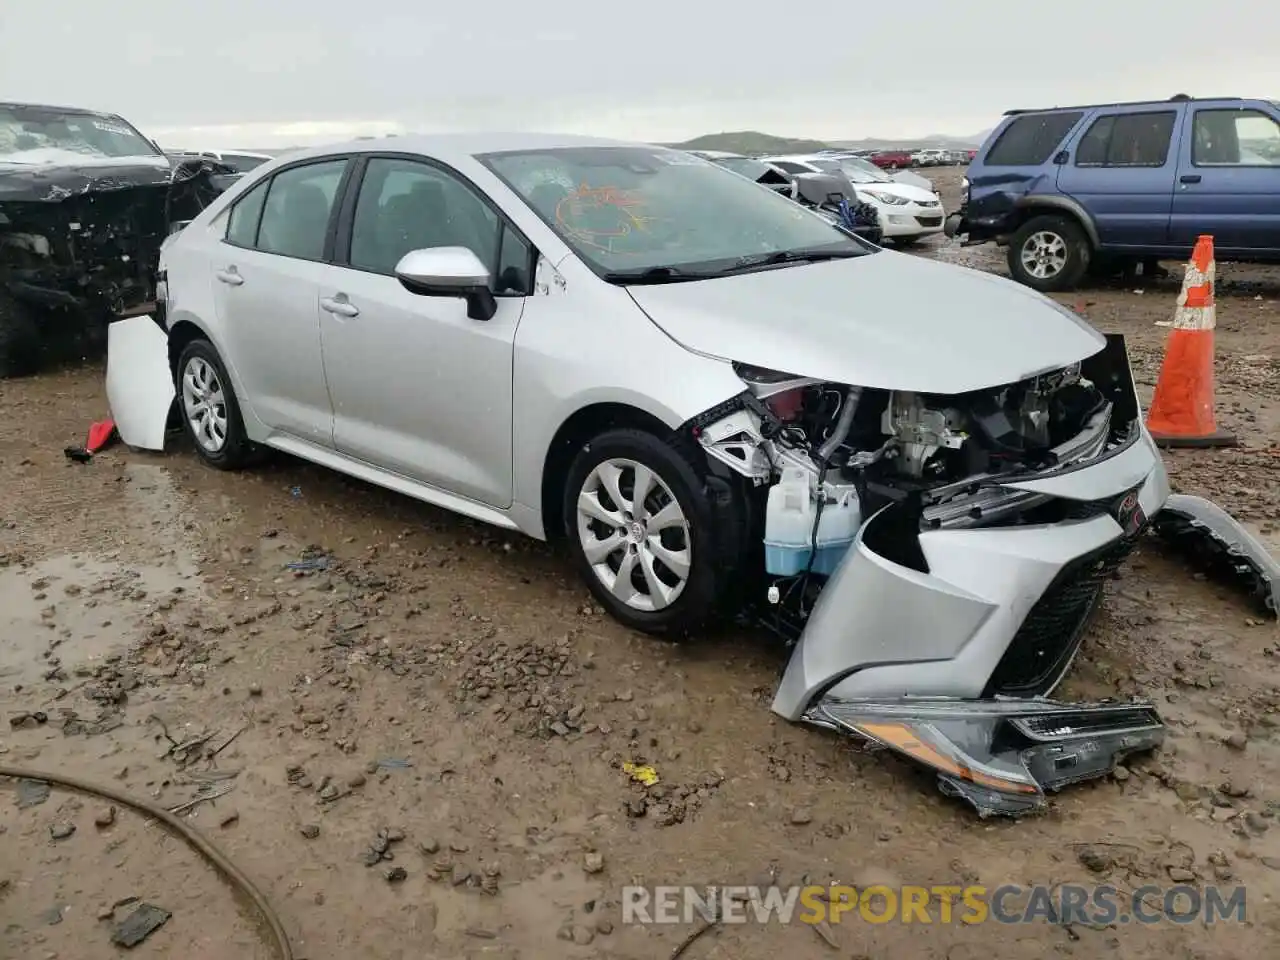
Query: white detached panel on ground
point(139, 383)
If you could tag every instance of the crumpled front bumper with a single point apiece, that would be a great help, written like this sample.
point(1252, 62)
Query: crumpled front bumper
point(974, 614)
point(947, 657)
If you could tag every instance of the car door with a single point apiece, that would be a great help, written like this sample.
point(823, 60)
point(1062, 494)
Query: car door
point(420, 388)
point(1229, 179)
point(266, 277)
point(1120, 168)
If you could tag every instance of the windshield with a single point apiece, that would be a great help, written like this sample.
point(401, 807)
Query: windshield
point(242, 163)
point(45, 135)
point(853, 169)
point(863, 171)
point(634, 209)
point(746, 166)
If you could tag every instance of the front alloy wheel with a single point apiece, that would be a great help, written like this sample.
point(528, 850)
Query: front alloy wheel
point(1044, 255)
point(634, 535)
point(649, 531)
point(1049, 253)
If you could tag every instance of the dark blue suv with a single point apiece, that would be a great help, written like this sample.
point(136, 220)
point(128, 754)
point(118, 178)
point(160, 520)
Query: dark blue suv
point(1072, 189)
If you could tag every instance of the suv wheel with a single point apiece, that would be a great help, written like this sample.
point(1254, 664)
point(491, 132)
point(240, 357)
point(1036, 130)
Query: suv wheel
point(1049, 253)
point(642, 532)
point(210, 412)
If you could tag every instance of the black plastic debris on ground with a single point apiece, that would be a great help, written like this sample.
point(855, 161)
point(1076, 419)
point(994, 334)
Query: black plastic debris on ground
point(145, 920)
point(31, 793)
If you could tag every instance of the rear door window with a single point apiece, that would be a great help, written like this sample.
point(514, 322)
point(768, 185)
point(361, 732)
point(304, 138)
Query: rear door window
point(242, 225)
point(1127, 140)
point(1236, 138)
point(295, 220)
point(1030, 140)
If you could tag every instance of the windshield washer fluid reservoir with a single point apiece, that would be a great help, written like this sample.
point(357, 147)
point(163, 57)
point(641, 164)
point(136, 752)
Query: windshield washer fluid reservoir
point(789, 518)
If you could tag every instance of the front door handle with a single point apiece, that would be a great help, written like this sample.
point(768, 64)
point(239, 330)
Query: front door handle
point(1190, 178)
point(230, 276)
point(340, 306)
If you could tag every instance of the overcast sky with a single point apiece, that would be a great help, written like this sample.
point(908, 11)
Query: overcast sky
point(281, 72)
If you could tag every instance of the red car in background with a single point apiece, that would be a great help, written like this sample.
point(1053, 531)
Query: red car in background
point(891, 159)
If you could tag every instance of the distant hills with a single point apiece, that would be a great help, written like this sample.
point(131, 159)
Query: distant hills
point(754, 142)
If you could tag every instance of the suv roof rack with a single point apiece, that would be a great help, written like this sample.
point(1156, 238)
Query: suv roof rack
point(1177, 97)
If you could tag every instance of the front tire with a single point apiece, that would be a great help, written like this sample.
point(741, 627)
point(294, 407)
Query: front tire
point(1049, 253)
point(643, 532)
point(210, 411)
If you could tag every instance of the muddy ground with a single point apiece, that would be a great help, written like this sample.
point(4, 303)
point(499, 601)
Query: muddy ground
point(430, 677)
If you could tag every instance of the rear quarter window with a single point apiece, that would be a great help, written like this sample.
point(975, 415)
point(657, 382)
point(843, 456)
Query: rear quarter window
point(1031, 139)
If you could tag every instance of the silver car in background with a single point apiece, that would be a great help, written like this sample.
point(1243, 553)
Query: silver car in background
point(919, 475)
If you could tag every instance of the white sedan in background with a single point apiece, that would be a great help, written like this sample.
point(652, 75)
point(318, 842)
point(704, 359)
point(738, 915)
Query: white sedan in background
point(907, 213)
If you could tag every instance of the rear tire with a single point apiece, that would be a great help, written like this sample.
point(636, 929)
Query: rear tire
point(1049, 253)
point(19, 338)
point(662, 565)
point(209, 408)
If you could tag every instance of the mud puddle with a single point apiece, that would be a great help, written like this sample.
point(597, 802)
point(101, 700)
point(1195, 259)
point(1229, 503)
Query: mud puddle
point(70, 613)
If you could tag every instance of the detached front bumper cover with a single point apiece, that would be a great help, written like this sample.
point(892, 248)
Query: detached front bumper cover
point(1211, 537)
point(1003, 755)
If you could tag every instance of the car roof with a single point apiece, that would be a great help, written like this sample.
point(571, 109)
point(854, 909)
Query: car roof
point(57, 109)
point(457, 146)
point(1179, 98)
point(720, 155)
point(240, 153)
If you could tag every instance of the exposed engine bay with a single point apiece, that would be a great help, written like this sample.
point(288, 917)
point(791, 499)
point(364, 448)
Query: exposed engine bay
point(933, 561)
point(831, 456)
point(85, 203)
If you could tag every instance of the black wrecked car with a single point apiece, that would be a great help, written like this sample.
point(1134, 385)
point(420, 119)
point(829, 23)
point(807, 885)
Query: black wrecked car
point(85, 202)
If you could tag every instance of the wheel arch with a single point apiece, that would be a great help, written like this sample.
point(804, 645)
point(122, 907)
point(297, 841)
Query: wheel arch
point(585, 423)
point(1037, 205)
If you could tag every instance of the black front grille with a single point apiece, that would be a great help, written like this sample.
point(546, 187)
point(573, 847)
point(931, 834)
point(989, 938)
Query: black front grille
point(929, 221)
point(1054, 628)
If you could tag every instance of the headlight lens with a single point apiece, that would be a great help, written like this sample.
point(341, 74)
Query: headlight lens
point(888, 198)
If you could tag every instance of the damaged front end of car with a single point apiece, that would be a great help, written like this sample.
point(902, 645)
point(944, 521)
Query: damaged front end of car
point(79, 247)
point(933, 561)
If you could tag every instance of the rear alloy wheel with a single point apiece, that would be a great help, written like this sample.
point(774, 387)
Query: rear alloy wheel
point(1049, 253)
point(210, 413)
point(639, 525)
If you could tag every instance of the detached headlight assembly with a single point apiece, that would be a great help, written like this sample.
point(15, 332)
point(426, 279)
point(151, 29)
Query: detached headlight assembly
point(888, 198)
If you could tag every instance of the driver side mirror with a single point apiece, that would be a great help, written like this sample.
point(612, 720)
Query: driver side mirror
point(449, 272)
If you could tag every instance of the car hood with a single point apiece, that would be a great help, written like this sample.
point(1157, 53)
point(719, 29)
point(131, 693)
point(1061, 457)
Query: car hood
point(907, 191)
point(915, 180)
point(53, 182)
point(888, 320)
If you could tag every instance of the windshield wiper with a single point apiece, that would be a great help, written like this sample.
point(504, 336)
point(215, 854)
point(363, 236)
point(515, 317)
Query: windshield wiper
point(650, 275)
point(789, 256)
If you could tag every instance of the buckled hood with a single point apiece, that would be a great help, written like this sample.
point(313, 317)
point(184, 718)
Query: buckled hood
point(886, 320)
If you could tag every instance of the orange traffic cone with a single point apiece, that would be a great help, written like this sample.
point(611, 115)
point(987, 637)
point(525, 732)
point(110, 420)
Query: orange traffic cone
point(1182, 409)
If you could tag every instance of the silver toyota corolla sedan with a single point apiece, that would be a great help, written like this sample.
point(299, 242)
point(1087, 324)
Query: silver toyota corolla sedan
point(919, 474)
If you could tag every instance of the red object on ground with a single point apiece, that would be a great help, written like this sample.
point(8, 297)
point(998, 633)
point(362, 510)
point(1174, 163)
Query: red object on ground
point(1182, 410)
point(100, 435)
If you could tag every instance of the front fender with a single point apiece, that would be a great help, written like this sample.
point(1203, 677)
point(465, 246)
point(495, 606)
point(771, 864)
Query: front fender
point(1066, 205)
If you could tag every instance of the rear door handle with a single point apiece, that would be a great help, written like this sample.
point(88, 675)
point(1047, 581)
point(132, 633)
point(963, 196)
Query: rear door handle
point(340, 306)
point(1190, 178)
point(230, 276)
